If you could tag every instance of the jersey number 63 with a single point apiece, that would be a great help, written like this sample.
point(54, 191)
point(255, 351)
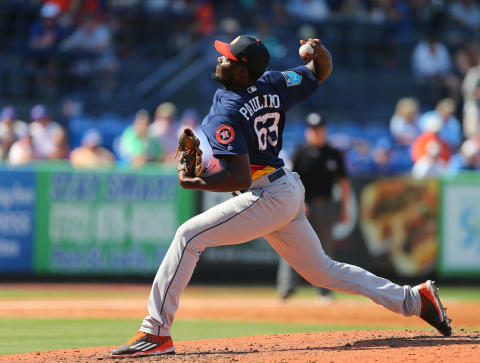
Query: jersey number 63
point(266, 127)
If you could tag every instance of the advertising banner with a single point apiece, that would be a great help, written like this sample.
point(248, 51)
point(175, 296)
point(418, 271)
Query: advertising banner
point(17, 220)
point(120, 222)
point(57, 220)
point(399, 224)
point(460, 221)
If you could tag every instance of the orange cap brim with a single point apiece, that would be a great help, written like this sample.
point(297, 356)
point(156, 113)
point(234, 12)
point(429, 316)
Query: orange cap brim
point(224, 49)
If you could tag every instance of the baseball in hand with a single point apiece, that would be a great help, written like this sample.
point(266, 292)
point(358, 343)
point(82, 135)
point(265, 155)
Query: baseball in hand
point(306, 51)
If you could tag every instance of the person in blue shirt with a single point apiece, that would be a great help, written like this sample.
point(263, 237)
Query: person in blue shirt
point(244, 129)
point(46, 33)
point(41, 61)
point(450, 131)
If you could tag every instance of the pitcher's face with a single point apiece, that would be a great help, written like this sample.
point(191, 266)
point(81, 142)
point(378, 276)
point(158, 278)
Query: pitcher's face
point(224, 72)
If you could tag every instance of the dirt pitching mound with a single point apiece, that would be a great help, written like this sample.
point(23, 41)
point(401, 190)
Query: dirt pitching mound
point(352, 346)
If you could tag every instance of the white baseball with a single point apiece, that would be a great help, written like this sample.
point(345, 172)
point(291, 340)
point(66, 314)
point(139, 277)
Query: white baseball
point(306, 50)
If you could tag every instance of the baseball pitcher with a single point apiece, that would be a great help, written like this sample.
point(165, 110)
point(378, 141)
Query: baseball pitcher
point(244, 128)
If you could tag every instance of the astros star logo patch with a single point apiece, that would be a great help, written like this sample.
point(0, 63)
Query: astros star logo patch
point(225, 134)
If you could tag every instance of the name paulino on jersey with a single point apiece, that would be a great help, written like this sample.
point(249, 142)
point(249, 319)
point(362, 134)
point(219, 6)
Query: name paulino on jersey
point(257, 103)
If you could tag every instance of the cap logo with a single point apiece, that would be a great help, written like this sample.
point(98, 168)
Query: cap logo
point(235, 40)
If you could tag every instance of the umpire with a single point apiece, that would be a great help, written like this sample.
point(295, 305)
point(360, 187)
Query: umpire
point(320, 167)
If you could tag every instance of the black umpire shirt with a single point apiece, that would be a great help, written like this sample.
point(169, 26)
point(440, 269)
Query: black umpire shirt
point(319, 168)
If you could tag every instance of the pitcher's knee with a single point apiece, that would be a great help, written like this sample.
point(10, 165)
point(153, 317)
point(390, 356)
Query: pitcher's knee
point(186, 231)
point(189, 237)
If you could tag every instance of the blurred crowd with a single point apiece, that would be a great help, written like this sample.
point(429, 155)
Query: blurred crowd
point(75, 43)
point(145, 139)
point(73, 36)
point(428, 144)
point(434, 130)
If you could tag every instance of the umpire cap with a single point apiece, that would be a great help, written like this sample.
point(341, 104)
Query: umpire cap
point(248, 50)
point(316, 120)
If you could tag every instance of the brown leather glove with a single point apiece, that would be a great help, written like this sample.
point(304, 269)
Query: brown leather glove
point(189, 155)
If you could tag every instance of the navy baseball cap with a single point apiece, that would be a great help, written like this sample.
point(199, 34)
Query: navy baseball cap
point(245, 49)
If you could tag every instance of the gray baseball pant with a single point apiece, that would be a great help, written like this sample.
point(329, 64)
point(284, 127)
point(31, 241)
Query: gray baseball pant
point(274, 211)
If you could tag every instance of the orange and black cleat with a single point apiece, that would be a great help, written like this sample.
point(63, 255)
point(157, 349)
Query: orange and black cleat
point(432, 310)
point(143, 344)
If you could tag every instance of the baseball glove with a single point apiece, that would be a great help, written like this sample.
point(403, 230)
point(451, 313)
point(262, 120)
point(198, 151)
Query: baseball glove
point(189, 155)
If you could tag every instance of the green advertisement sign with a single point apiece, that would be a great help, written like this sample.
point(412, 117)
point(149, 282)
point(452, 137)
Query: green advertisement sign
point(115, 222)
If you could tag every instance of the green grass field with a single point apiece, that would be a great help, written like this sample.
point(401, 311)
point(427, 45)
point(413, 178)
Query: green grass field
point(19, 335)
point(305, 292)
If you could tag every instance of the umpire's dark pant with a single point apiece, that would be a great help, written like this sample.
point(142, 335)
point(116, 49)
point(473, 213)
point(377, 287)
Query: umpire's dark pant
point(322, 216)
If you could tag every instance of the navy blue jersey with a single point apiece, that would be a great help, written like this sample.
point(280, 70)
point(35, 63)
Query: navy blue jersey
point(251, 121)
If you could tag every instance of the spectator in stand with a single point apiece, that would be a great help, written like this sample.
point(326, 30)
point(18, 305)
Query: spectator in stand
point(91, 45)
point(91, 155)
point(309, 10)
point(403, 124)
point(431, 58)
point(431, 164)
point(11, 130)
point(432, 128)
point(73, 10)
point(61, 145)
point(136, 146)
point(466, 16)
point(466, 159)
point(164, 129)
point(432, 66)
point(471, 99)
point(45, 134)
point(381, 153)
point(396, 20)
point(358, 157)
point(46, 33)
point(63, 5)
point(45, 36)
point(467, 56)
point(70, 108)
point(450, 130)
point(22, 151)
point(205, 23)
point(80, 7)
